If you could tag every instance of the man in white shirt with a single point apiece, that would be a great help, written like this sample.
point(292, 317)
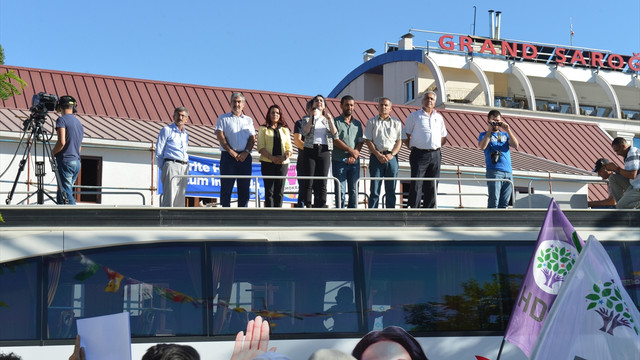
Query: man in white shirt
point(425, 133)
point(236, 135)
point(383, 136)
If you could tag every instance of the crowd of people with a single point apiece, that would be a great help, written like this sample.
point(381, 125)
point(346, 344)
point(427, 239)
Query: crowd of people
point(325, 142)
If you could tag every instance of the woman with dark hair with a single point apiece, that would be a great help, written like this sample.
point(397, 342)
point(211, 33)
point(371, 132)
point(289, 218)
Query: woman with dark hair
point(392, 342)
point(318, 133)
point(274, 146)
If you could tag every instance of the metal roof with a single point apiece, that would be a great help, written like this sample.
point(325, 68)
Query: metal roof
point(108, 102)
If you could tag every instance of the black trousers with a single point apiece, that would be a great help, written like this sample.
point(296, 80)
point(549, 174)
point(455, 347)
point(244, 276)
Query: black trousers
point(273, 188)
point(301, 172)
point(424, 163)
point(316, 163)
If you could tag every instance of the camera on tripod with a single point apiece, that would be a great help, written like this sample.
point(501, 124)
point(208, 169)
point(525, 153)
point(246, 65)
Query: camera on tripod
point(41, 104)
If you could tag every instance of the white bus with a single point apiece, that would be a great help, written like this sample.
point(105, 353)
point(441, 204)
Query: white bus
point(197, 276)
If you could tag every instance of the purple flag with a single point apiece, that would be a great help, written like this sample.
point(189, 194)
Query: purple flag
point(556, 253)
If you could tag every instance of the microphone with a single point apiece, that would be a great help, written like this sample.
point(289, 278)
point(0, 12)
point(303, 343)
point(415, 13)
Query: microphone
point(314, 114)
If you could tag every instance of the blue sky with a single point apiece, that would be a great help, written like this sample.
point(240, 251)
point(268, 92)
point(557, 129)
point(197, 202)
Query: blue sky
point(299, 47)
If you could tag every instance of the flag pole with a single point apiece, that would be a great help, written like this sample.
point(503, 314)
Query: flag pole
point(501, 346)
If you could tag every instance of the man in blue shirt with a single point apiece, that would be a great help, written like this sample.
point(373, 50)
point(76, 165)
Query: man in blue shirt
point(67, 148)
point(172, 158)
point(497, 157)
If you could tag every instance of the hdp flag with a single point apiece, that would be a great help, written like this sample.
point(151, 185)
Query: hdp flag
point(593, 316)
point(554, 257)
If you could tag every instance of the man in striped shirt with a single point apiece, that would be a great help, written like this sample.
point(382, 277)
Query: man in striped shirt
point(631, 197)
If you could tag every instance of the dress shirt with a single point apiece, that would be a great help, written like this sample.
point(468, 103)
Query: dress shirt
point(350, 134)
point(383, 133)
point(426, 131)
point(236, 129)
point(172, 144)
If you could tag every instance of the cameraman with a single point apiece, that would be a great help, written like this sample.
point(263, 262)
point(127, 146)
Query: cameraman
point(497, 157)
point(67, 148)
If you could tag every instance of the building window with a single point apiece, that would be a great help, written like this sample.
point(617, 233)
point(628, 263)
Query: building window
point(90, 175)
point(409, 90)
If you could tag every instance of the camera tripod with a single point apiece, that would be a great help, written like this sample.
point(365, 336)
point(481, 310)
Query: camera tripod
point(37, 135)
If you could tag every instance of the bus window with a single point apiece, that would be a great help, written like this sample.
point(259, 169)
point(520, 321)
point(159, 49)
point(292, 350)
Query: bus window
point(340, 307)
point(19, 300)
point(631, 280)
point(289, 285)
point(160, 287)
point(432, 286)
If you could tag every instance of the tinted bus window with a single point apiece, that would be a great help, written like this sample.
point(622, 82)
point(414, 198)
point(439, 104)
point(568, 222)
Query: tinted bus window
point(160, 287)
point(293, 286)
point(19, 300)
point(432, 286)
point(517, 257)
point(632, 281)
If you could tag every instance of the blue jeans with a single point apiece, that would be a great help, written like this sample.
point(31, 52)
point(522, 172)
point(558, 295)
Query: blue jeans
point(376, 169)
point(67, 175)
point(347, 174)
point(502, 189)
point(229, 166)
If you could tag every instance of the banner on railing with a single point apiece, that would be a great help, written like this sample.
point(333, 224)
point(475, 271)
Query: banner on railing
point(210, 187)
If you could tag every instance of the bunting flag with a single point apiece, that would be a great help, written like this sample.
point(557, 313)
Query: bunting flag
point(175, 296)
point(91, 269)
point(555, 255)
point(114, 280)
point(593, 316)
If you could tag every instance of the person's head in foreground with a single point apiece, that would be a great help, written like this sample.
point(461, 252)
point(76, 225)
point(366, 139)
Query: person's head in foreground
point(391, 343)
point(171, 352)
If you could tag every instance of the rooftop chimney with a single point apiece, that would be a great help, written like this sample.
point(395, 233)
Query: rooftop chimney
point(406, 43)
point(369, 54)
point(492, 24)
point(497, 34)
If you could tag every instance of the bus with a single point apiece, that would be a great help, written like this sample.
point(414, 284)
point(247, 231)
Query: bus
point(322, 278)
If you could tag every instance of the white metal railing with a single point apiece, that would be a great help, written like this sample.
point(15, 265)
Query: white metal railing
point(440, 179)
point(104, 190)
point(51, 189)
point(256, 187)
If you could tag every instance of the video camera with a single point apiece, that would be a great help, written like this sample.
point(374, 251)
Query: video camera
point(41, 104)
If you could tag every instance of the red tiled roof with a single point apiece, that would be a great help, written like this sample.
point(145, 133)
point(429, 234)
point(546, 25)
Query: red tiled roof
point(147, 105)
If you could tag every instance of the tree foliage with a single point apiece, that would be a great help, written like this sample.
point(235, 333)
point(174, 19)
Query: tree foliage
point(7, 87)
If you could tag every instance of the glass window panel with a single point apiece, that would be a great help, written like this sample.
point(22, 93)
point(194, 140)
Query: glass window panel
point(293, 286)
point(160, 286)
point(518, 257)
point(19, 300)
point(432, 286)
point(632, 281)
